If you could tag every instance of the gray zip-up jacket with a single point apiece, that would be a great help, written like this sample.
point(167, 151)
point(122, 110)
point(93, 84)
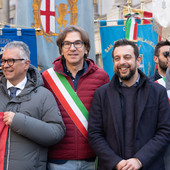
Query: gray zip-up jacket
point(168, 79)
point(37, 124)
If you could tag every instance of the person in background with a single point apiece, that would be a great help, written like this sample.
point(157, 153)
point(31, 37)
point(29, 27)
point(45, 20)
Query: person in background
point(30, 111)
point(73, 81)
point(129, 119)
point(167, 154)
point(160, 59)
point(165, 81)
point(168, 77)
point(1, 73)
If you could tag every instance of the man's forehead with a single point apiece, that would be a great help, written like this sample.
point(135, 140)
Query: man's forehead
point(124, 49)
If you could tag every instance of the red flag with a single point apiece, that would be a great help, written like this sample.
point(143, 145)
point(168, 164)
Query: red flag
point(3, 138)
point(146, 15)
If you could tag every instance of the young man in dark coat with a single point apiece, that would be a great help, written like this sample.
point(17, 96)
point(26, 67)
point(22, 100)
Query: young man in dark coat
point(129, 120)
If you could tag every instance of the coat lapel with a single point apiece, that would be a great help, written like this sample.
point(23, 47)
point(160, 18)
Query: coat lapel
point(116, 112)
point(140, 104)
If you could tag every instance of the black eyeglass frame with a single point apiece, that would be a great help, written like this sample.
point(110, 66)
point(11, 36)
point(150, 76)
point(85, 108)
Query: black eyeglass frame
point(74, 43)
point(12, 60)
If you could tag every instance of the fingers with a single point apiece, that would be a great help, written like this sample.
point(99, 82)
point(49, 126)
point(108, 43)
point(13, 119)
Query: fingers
point(8, 117)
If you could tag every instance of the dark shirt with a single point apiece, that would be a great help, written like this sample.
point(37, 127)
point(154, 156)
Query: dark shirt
point(129, 94)
point(78, 75)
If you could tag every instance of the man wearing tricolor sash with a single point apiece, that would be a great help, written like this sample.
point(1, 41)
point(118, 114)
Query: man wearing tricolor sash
point(73, 80)
point(160, 58)
point(28, 110)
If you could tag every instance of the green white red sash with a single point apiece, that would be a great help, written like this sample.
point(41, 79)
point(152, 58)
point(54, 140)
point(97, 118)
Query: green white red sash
point(161, 81)
point(68, 98)
point(3, 138)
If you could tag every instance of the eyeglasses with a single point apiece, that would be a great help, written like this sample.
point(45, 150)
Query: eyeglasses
point(166, 54)
point(77, 44)
point(10, 61)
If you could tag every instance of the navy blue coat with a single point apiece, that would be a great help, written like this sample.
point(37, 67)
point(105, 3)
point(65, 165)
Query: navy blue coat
point(152, 124)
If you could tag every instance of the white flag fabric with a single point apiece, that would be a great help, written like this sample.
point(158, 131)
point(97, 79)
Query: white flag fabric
point(161, 9)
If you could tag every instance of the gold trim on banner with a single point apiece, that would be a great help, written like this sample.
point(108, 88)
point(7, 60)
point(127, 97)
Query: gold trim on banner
point(62, 10)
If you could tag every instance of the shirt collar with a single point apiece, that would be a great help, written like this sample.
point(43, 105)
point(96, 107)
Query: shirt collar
point(85, 67)
point(135, 84)
point(20, 85)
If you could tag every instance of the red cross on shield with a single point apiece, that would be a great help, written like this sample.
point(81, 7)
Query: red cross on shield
point(47, 15)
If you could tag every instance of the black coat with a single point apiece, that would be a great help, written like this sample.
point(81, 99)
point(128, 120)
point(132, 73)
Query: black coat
point(156, 76)
point(152, 124)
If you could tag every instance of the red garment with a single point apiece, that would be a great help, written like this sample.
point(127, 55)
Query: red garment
point(3, 138)
point(74, 146)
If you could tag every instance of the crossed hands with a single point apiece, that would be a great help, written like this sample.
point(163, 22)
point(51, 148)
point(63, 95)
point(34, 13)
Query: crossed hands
point(129, 164)
point(8, 117)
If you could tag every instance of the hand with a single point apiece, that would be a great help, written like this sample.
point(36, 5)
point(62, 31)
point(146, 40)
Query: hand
point(132, 164)
point(8, 117)
point(121, 164)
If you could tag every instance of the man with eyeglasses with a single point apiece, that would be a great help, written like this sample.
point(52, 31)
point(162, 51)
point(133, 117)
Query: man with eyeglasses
point(164, 81)
point(168, 77)
point(29, 111)
point(160, 58)
point(1, 73)
point(73, 81)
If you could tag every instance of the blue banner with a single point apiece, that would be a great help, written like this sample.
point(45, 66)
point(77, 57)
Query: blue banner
point(50, 17)
point(26, 35)
point(147, 40)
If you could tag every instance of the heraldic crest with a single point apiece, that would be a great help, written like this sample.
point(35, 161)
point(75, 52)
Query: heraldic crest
point(51, 15)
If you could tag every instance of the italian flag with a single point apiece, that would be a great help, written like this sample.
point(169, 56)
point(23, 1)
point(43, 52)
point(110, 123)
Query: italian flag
point(131, 28)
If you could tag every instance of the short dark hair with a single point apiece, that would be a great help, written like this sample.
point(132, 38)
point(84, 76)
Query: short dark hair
point(159, 45)
point(124, 42)
point(73, 28)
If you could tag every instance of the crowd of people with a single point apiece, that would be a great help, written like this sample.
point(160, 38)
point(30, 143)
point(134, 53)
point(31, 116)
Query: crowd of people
point(72, 117)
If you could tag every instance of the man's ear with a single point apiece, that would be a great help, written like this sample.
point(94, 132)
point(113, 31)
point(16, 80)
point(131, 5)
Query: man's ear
point(27, 63)
point(155, 58)
point(138, 61)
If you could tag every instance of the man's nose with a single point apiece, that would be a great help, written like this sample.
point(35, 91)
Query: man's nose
point(122, 60)
point(72, 47)
point(6, 64)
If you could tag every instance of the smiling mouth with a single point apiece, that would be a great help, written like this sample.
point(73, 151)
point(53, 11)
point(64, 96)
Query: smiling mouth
point(123, 68)
point(73, 54)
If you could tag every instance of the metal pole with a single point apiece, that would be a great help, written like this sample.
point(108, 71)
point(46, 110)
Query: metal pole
point(8, 11)
point(142, 3)
point(100, 7)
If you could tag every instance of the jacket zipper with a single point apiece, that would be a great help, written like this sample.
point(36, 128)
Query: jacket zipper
point(8, 151)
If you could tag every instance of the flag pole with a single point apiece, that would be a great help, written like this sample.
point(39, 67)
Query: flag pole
point(129, 5)
point(142, 3)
